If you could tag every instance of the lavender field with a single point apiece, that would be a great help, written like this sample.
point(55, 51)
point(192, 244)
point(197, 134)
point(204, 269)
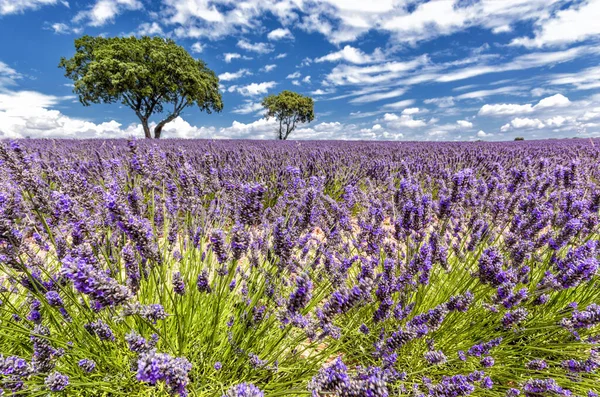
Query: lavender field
point(249, 269)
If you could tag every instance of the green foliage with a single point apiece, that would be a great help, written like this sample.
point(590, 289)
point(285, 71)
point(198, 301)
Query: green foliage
point(145, 74)
point(519, 138)
point(289, 108)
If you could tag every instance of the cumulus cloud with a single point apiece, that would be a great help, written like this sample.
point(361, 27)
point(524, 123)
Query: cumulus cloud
point(409, 111)
point(105, 11)
point(353, 55)
point(259, 48)
point(63, 28)
point(268, 68)
point(18, 6)
point(403, 121)
point(230, 56)
point(280, 34)
point(27, 113)
point(253, 89)
point(503, 109)
point(523, 123)
point(153, 29)
point(228, 76)
point(464, 123)
point(197, 48)
point(248, 107)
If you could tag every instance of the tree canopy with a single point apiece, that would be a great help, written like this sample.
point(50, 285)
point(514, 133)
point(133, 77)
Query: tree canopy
point(289, 108)
point(151, 75)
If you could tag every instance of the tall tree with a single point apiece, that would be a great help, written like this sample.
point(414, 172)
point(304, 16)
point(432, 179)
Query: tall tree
point(289, 108)
point(151, 75)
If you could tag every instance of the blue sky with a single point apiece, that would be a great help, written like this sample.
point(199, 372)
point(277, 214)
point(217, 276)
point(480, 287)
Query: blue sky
point(382, 69)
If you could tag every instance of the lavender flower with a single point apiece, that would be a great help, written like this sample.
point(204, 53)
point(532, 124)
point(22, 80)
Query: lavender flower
point(178, 284)
point(153, 367)
point(87, 365)
point(56, 381)
point(244, 390)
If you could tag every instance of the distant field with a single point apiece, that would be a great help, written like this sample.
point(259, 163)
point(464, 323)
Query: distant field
point(247, 268)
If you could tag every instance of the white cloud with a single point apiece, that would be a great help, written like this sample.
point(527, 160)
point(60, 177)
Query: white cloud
point(539, 91)
point(254, 88)
point(229, 56)
point(443, 102)
point(8, 75)
point(482, 134)
point(259, 48)
point(556, 121)
point(353, 55)
point(198, 47)
point(63, 28)
point(485, 93)
point(248, 107)
point(523, 123)
point(294, 75)
point(228, 76)
point(322, 92)
point(26, 113)
point(19, 6)
point(464, 123)
point(585, 79)
point(522, 62)
point(394, 121)
point(268, 68)
point(281, 56)
point(151, 29)
point(566, 26)
point(503, 109)
point(306, 79)
point(105, 11)
point(400, 104)
point(374, 74)
point(378, 96)
point(280, 34)
point(409, 111)
point(557, 100)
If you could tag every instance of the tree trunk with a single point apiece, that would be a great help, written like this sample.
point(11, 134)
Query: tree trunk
point(157, 131)
point(146, 129)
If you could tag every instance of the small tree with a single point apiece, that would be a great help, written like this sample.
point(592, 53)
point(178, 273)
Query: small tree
point(519, 138)
point(144, 74)
point(289, 108)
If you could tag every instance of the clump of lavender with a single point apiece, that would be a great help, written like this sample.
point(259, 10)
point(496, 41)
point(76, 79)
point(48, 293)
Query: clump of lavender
point(138, 344)
point(178, 284)
point(219, 246)
point(101, 330)
point(89, 280)
point(56, 381)
point(244, 390)
point(436, 357)
point(202, 283)
point(153, 367)
point(87, 365)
